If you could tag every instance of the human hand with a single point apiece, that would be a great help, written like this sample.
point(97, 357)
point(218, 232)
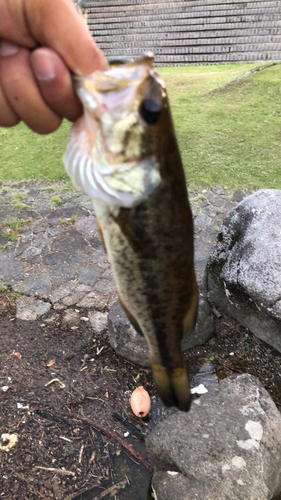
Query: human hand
point(41, 41)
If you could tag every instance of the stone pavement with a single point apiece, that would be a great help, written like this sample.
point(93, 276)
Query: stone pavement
point(50, 249)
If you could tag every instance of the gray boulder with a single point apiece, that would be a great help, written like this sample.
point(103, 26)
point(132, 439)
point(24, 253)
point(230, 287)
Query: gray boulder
point(29, 308)
point(227, 447)
point(129, 344)
point(243, 275)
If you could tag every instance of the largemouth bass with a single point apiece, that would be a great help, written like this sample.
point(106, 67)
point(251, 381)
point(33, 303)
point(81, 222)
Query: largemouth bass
point(123, 153)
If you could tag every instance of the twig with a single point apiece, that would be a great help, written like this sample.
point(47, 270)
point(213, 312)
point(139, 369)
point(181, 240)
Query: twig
point(81, 453)
point(113, 489)
point(61, 471)
point(229, 368)
point(62, 386)
point(36, 491)
point(211, 372)
point(110, 434)
point(31, 486)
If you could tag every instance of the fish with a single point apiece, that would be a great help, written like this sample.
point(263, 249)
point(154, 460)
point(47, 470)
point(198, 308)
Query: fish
point(124, 154)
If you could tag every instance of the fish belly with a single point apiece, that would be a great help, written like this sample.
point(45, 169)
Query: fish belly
point(152, 265)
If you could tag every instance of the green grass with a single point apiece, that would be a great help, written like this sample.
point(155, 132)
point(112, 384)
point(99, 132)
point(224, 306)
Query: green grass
point(229, 133)
point(26, 155)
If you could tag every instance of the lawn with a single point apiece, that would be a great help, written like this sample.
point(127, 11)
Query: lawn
point(229, 133)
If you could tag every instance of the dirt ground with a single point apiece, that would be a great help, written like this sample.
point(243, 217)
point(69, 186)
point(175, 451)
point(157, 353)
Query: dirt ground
point(60, 458)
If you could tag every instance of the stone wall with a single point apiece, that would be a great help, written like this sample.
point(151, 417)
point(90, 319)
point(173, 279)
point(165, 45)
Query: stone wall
point(187, 31)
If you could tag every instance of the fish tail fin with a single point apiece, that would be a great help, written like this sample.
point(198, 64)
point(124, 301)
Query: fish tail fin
point(172, 386)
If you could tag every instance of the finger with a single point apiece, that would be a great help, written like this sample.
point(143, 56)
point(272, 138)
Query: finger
point(23, 95)
point(14, 26)
point(53, 24)
point(8, 118)
point(58, 25)
point(55, 83)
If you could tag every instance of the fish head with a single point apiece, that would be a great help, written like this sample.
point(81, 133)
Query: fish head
point(112, 153)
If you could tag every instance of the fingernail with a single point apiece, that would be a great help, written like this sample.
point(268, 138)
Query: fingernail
point(8, 48)
point(43, 65)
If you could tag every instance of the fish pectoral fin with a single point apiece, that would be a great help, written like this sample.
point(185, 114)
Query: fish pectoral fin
point(101, 235)
point(189, 320)
point(131, 318)
point(137, 237)
point(172, 386)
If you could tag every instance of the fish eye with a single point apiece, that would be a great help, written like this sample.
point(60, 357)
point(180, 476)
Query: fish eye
point(150, 111)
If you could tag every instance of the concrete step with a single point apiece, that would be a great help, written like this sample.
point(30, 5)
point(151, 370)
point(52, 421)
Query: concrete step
point(195, 38)
point(174, 45)
point(136, 28)
point(220, 49)
point(166, 21)
point(217, 58)
point(175, 11)
point(188, 30)
point(182, 4)
point(192, 3)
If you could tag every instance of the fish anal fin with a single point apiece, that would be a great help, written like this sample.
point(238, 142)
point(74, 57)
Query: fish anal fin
point(131, 317)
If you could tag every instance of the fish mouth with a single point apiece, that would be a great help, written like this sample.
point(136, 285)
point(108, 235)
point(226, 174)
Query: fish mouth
point(105, 155)
point(122, 73)
point(147, 58)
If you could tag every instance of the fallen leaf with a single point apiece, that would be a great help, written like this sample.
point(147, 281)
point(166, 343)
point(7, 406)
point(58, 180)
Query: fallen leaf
point(51, 363)
point(17, 354)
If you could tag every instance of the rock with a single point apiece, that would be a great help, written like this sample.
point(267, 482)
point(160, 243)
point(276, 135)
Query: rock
point(202, 252)
point(105, 286)
point(94, 300)
point(87, 226)
point(20, 248)
point(70, 241)
point(89, 274)
point(54, 231)
point(238, 195)
point(30, 309)
point(31, 253)
point(227, 447)
point(54, 258)
point(65, 213)
point(98, 321)
point(61, 273)
point(243, 274)
point(38, 285)
point(62, 291)
point(123, 337)
point(41, 240)
point(129, 344)
point(26, 235)
point(38, 226)
point(204, 328)
point(11, 270)
point(70, 318)
point(201, 221)
point(79, 292)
